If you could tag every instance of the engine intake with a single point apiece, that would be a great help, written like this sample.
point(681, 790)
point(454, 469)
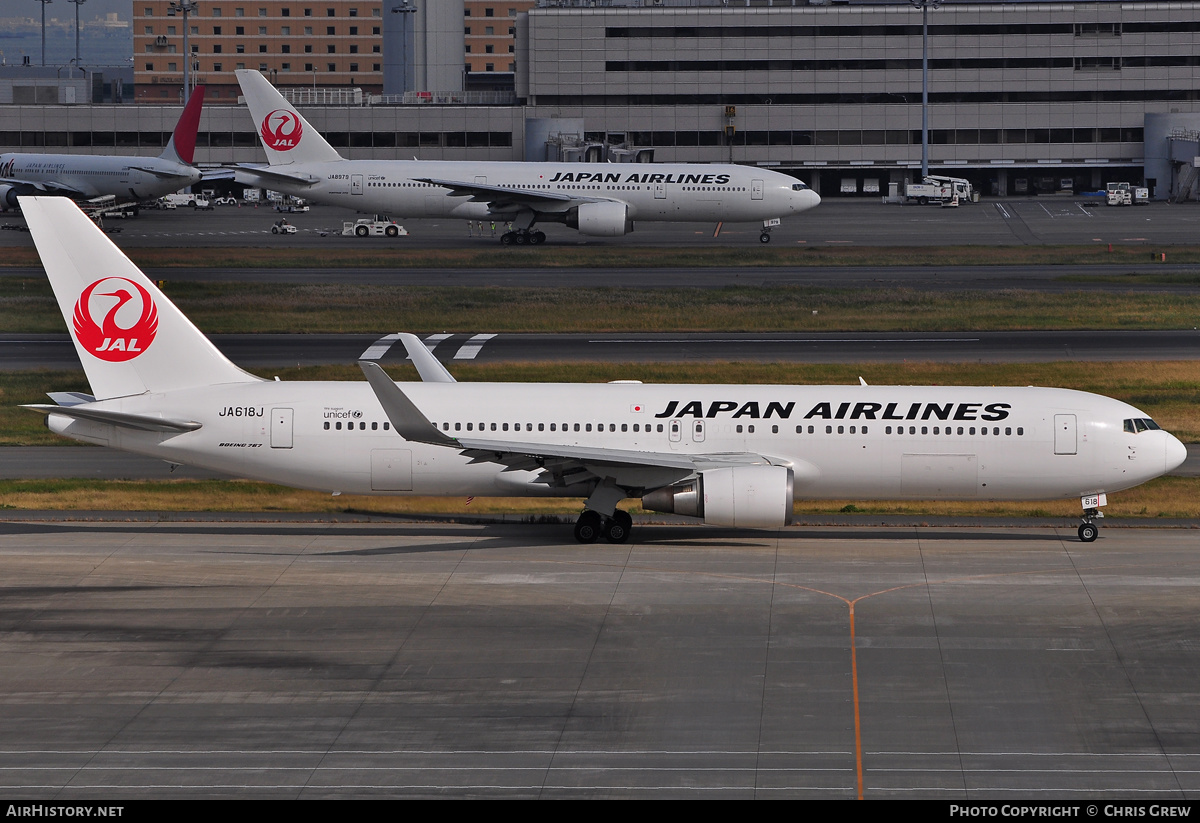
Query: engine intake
point(600, 219)
point(752, 497)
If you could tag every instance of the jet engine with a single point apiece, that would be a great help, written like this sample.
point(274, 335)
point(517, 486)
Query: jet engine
point(9, 192)
point(600, 219)
point(753, 497)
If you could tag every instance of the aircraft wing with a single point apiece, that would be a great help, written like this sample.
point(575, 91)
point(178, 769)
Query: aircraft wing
point(560, 464)
point(499, 197)
point(49, 187)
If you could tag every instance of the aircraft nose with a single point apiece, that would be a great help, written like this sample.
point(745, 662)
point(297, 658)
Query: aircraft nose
point(806, 199)
point(1176, 453)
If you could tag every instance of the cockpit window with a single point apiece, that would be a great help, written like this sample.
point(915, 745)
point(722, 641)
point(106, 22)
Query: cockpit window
point(799, 187)
point(1133, 425)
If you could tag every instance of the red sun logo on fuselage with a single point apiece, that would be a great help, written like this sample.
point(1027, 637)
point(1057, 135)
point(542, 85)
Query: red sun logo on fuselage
point(281, 130)
point(108, 340)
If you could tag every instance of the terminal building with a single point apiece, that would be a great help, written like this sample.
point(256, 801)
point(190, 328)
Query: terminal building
point(1024, 97)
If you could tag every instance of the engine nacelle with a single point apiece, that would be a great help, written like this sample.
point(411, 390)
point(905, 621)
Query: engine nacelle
point(9, 192)
point(601, 219)
point(751, 497)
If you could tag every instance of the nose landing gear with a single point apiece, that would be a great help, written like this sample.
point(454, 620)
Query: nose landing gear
point(1089, 531)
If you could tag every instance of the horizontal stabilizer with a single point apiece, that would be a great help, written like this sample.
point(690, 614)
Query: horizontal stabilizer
point(141, 422)
point(70, 398)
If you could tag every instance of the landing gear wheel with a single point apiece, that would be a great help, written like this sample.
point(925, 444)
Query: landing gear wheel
point(617, 529)
point(537, 238)
point(765, 237)
point(508, 238)
point(587, 527)
point(1088, 533)
point(520, 238)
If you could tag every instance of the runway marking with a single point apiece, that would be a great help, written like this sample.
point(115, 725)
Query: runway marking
point(380, 347)
point(1003, 211)
point(431, 342)
point(471, 348)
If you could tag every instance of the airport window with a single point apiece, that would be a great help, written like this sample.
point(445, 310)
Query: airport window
point(308, 50)
point(354, 49)
point(308, 29)
point(331, 30)
point(172, 67)
point(353, 30)
point(216, 30)
point(375, 30)
point(308, 12)
point(354, 12)
point(239, 30)
point(285, 66)
point(330, 13)
point(149, 30)
point(170, 30)
point(354, 67)
point(262, 12)
point(308, 67)
point(375, 49)
point(331, 49)
point(331, 67)
point(216, 12)
point(194, 29)
point(489, 49)
point(489, 12)
point(285, 12)
point(262, 67)
point(240, 48)
point(149, 67)
point(147, 12)
point(488, 30)
point(262, 49)
point(285, 49)
point(239, 12)
point(262, 31)
point(241, 66)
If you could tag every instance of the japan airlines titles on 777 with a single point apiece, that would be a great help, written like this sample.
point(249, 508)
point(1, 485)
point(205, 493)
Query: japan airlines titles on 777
point(99, 175)
point(602, 200)
point(732, 455)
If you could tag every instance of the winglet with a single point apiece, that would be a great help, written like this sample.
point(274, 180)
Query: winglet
point(182, 146)
point(428, 366)
point(406, 418)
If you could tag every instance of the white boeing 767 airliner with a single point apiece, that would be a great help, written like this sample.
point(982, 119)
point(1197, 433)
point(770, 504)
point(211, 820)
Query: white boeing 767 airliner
point(96, 175)
point(602, 200)
point(732, 455)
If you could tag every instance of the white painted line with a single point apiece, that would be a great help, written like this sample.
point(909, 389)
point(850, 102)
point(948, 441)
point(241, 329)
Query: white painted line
point(431, 342)
point(472, 347)
point(380, 347)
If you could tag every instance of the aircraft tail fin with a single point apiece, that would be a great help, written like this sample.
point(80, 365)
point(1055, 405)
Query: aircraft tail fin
point(285, 135)
point(130, 338)
point(182, 146)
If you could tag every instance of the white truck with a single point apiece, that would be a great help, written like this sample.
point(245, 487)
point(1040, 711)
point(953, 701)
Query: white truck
point(378, 226)
point(1122, 194)
point(943, 190)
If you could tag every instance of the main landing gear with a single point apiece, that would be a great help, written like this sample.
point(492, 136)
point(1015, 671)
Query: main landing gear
point(523, 237)
point(592, 525)
point(1089, 531)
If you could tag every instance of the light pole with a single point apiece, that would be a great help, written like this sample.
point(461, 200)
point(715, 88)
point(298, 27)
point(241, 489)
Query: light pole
point(44, 2)
point(924, 6)
point(77, 3)
point(184, 7)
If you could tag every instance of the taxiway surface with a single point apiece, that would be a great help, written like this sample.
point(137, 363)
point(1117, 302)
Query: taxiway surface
point(402, 660)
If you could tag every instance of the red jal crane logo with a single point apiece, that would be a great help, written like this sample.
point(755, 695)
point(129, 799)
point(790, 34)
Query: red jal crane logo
point(109, 340)
point(281, 130)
